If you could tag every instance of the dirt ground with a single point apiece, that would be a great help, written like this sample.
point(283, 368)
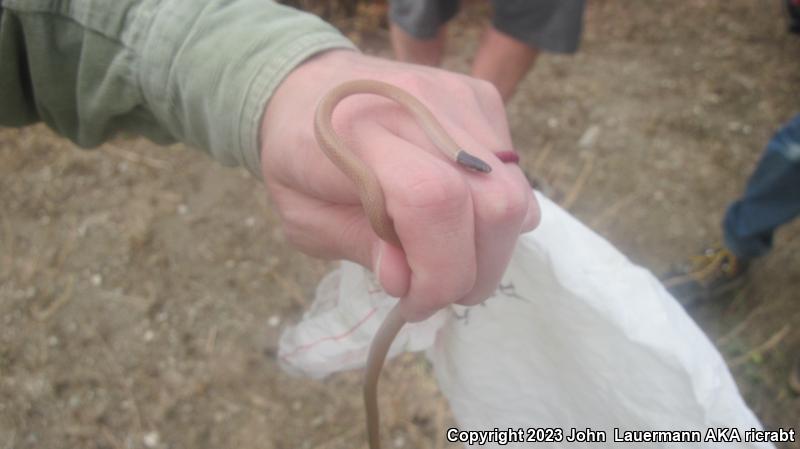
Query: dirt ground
point(143, 288)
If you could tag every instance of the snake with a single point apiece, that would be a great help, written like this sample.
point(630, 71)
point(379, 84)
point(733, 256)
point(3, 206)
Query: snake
point(374, 204)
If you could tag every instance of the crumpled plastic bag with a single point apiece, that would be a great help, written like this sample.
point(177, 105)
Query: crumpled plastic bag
point(575, 337)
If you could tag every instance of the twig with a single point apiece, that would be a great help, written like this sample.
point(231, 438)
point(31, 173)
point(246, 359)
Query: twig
point(553, 172)
point(539, 162)
point(768, 345)
point(56, 304)
point(573, 194)
point(589, 137)
point(733, 333)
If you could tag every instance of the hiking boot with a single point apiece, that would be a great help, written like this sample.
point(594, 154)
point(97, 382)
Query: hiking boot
point(705, 276)
point(794, 376)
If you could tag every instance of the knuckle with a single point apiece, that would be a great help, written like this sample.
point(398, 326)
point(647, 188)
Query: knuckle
point(437, 189)
point(415, 82)
point(504, 202)
point(489, 91)
point(464, 88)
point(490, 99)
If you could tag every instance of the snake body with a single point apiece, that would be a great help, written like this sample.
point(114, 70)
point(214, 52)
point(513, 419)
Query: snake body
point(374, 204)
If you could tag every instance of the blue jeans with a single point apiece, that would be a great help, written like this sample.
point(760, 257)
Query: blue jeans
point(772, 196)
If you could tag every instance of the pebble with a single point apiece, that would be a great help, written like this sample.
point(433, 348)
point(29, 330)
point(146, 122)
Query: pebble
point(274, 321)
point(151, 439)
point(589, 137)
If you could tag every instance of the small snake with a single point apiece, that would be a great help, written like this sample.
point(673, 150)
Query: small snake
point(374, 204)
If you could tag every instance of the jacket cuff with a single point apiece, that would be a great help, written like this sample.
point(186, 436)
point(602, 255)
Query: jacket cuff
point(209, 69)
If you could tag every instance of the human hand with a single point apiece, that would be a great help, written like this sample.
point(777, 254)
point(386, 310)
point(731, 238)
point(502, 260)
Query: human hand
point(457, 229)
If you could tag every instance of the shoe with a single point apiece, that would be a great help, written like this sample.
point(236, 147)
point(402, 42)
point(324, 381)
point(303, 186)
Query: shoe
point(705, 276)
point(794, 376)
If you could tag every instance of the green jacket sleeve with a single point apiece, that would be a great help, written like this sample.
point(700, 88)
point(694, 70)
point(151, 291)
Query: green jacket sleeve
point(200, 72)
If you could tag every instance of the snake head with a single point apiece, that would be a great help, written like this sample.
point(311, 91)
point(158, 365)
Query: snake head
point(472, 162)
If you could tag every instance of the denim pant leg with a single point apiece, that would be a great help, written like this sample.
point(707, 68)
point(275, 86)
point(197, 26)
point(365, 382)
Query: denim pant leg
point(772, 196)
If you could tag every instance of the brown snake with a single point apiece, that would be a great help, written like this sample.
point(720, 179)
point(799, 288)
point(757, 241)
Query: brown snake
point(374, 204)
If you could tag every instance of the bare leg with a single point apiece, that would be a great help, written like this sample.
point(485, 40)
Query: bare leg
point(503, 61)
point(408, 48)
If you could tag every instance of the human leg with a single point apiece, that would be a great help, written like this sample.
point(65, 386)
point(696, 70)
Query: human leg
point(417, 29)
point(408, 48)
point(519, 30)
point(503, 61)
point(771, 198)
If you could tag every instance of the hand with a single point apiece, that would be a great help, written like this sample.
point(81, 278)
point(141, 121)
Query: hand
point(458, 229)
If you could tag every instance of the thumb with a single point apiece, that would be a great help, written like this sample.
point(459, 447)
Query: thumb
point(391, 268)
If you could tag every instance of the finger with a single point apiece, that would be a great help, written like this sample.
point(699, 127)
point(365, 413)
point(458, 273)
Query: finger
point(491, 103)
point(306, 168)
point(532, 214)
point(501, 208)
point(492, 134)
point(504, 207)
point(334, 231)
point(429, 202)
point(504, 203)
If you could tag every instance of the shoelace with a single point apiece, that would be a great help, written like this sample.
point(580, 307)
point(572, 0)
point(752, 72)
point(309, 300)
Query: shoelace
point(720, 260)
point(705, 266)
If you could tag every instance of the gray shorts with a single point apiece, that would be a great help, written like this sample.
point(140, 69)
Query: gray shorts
point(550, 25)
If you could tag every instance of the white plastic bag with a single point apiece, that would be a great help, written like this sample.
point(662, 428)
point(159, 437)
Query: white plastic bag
point(575, 337)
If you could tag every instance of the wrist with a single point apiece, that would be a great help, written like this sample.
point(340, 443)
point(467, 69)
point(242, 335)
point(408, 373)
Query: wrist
point(294, 100)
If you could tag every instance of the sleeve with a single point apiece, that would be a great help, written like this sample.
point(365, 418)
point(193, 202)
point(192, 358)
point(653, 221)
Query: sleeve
point(197, 72)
